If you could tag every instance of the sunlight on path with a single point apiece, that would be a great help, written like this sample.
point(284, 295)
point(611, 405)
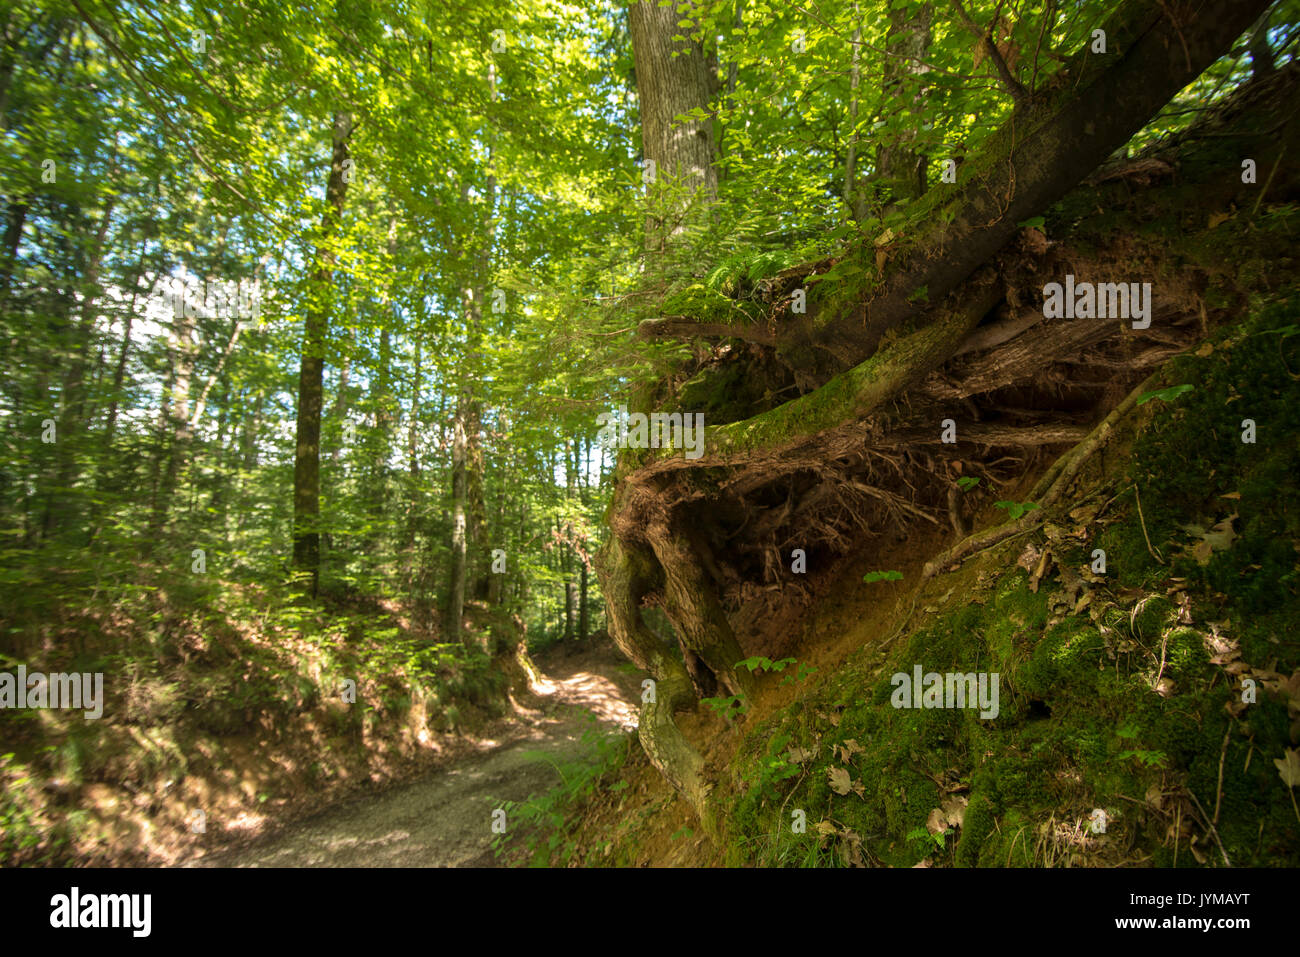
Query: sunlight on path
point(444, 818)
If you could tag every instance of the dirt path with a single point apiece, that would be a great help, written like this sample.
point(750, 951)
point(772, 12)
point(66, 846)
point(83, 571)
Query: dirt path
point(444, 818)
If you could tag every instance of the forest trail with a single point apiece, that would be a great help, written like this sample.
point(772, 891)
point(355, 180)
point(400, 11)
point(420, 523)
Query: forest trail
point(443, 818)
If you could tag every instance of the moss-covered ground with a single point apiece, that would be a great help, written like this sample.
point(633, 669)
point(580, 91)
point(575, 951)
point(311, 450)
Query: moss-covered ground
point(1142, 709)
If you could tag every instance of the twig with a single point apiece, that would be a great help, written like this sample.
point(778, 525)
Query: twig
point(1223, 752)
point(1144, 526)
point(1143, 804)
point(1013, 86)
point(1213, 830)
point(1268, 182)
point(1164, 643)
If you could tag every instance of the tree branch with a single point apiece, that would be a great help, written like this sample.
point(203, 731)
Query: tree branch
point(1009, 82)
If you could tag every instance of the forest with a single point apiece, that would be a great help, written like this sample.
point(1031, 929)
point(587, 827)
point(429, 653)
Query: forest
point(699, 433)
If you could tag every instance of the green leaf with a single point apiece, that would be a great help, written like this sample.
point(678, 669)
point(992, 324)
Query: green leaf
point(1017, 509)
point(1165, 395)
point(890, 576)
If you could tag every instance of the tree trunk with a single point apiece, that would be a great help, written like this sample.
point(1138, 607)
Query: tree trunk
point(466, 427)
point(900, 168)
point(672, 78)
point(306, 466)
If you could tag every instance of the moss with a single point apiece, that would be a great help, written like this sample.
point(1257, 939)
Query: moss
point(1149, 617)
point(1080, 725)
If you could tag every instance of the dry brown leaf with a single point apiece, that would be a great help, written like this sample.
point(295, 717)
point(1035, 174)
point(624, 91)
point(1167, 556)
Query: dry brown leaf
point(1035, 242)
point(1084, 514)
point(1040, 570)
point(839, 780)
point(1215, 219)
point(1155, 797)
point(1029, 557)
point(937, 822)
point(1288, 767)
point(954, 810)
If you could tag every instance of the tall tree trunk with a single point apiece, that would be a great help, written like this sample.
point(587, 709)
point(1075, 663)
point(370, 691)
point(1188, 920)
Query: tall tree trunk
point(900, 168)
point(176, 432)
point(74, 398)
point(851, 202)
point(466, 428)
point(306, 465)
point(672, 78)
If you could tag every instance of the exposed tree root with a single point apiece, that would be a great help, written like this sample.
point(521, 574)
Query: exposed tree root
point(864, 455)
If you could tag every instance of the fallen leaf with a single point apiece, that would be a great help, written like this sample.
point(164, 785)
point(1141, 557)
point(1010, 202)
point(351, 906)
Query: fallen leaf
point(1155, 797)
point(839, 780)
point(1205, 350)
point(937, 822)
point(1084, 513)
point(1044, 562)
point(1035, 241)
point(1222, 536)
point(1029, 557)
point(1288, 767)
point(954, 810)
point(1215, 219)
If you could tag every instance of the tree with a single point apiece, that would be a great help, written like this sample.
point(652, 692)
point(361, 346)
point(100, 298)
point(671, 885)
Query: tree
point(928, 290)
point(306, 466)
point(672, 80)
